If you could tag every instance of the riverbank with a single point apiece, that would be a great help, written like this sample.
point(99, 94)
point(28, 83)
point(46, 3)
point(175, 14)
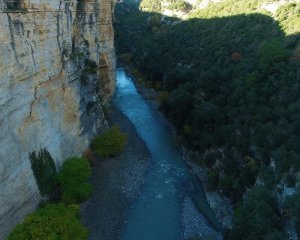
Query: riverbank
point(161, 211)
point(117, 184)
point(219, 204)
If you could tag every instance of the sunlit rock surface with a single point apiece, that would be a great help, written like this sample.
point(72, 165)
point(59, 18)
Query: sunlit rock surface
point(49, 96)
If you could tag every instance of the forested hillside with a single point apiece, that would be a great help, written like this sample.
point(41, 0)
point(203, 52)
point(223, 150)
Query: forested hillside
point(229, 76)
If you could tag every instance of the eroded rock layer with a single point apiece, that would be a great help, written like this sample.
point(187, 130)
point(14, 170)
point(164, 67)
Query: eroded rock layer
point(56, 69)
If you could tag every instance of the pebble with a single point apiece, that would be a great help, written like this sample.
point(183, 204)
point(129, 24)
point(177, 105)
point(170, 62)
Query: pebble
point(194, 223)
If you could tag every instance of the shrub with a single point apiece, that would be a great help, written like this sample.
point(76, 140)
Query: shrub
point(272, 52)
point(178, 5)
point(53, 222)
point(90, 67)
point(73, 179)
point(257, 218)
point(44, 170)
point(110, 143)
point(76, 55)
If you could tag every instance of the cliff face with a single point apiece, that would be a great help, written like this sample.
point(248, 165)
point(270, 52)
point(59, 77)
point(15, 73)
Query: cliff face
point(56, 68)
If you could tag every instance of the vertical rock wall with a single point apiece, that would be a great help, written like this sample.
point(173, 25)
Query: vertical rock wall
point(50, 91)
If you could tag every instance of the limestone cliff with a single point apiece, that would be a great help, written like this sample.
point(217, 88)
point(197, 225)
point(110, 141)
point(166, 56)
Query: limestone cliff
point(56, 68)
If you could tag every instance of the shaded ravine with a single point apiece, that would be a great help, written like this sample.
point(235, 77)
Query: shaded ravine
point(157, 213)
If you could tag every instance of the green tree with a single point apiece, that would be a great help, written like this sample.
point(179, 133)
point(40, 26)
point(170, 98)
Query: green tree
point(52, 222)
point(44, 170)
point(257, 219)
point(73, 179)
point(110, 143)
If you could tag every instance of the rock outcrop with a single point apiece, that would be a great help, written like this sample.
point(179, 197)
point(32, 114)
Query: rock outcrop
point(57, 65)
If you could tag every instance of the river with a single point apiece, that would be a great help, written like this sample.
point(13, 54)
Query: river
point(157, 213)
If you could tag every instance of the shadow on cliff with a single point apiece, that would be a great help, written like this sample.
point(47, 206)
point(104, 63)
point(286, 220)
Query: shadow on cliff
point(159, 44)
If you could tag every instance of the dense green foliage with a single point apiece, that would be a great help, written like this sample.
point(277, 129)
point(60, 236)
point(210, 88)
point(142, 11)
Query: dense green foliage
point(52, 222)
point(262, 221)
point(44, 170)
point(231, 80)
point(73, 179)
point(177, 5)
point(110, 143)
point(57, 221)
point(90, 67)
point(151, 5)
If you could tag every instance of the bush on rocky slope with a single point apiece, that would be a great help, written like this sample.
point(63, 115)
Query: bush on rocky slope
point(52, 222)
point(110, 143)
point(73, 179)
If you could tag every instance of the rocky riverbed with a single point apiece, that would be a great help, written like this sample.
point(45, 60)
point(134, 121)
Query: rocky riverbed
point(195, 224)
point(117, 183)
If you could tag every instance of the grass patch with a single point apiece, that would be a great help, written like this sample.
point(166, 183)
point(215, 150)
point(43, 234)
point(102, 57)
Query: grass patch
point(111, 143)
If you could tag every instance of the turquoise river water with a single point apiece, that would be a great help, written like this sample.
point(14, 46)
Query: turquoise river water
point(157, 214)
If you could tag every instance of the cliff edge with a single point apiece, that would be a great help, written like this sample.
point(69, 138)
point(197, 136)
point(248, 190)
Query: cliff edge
point(57, 64)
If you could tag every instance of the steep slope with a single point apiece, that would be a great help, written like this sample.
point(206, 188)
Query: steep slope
point(56, 69)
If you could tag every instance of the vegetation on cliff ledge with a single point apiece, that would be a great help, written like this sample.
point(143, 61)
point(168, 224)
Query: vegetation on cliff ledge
point(52, 222)
point(70, 186)
point(44, 170)
point(73, 179)
point(59, 221)
point(110, 143)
